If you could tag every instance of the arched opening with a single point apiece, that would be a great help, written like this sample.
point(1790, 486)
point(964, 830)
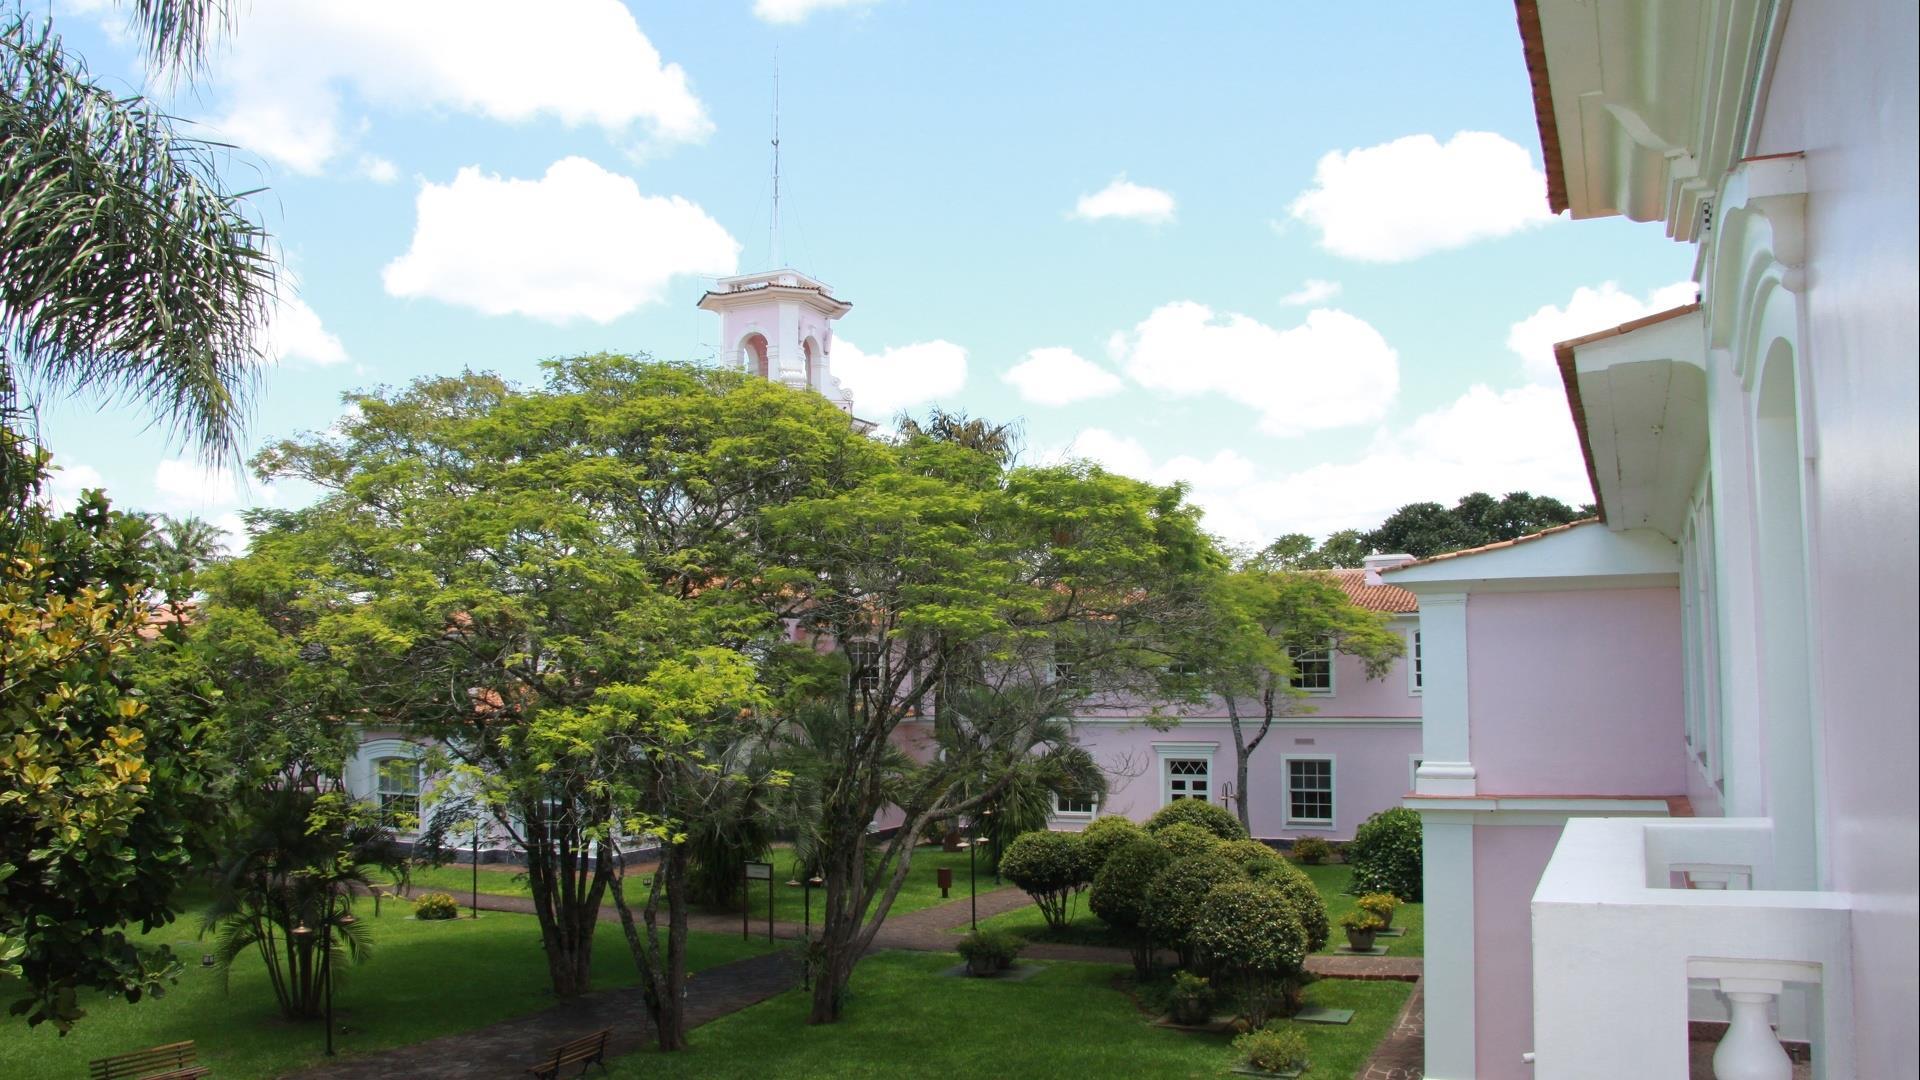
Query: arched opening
point(810, 351)
point(1787, 701)
point(753, 355)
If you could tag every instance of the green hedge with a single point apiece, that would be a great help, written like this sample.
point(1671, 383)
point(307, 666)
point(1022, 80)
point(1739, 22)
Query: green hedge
point(1385, 855)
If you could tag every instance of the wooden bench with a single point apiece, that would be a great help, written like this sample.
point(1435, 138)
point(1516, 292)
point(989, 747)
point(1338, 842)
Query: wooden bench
point(174, 1061)
point(584, 1051)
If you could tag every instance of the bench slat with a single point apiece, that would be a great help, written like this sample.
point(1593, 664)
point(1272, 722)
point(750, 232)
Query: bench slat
point(586, 1050)
point(173, 1060)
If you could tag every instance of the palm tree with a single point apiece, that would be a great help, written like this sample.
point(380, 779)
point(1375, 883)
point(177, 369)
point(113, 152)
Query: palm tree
point(126, 268)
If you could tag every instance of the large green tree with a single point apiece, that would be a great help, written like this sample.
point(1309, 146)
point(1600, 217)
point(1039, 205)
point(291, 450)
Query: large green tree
point(941, 577)
point(490, 560)
point(1427, 528)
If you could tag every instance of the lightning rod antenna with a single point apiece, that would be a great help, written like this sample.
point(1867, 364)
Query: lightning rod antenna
point(773, 241)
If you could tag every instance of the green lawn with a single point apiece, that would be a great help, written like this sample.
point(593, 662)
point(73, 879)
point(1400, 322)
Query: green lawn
point(1071, 1020)
point(789, 902)
point(423, 979)
point(1332, 882)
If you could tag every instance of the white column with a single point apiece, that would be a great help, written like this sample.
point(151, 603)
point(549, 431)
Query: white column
point(1446, 760)
point(1447, 881)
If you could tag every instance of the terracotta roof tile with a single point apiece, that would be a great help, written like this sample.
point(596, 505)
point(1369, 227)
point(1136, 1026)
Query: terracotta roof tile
point(1496, 545)
point(1533, 44)
point(1388, 598)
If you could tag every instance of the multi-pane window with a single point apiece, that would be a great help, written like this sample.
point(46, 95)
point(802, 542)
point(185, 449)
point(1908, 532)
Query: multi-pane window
point(1312, 669)
point(1417, 684)
point(397, 790)
point(863, 662)
point(1074, 804)
point(1310, 791)
point(1189, 778)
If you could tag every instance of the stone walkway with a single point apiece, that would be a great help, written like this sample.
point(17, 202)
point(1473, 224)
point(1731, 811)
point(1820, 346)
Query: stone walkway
point(505, 1050)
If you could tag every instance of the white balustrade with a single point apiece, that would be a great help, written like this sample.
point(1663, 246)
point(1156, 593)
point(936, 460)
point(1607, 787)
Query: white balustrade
point(1615, 945)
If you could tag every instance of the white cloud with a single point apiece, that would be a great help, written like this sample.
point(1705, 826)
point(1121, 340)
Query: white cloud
point(1126, 199)
point(1414, 196)
point(1058, 376)
point(1590, 310)
point(1486, 440)
point(294, 332)
point(897, 378)
point(191, 485)
point(793, 11)
point(580, 242)
point(68, 481)
point(1312, 291)
point(1333, 370)
point(378, 169)
point(298, 78)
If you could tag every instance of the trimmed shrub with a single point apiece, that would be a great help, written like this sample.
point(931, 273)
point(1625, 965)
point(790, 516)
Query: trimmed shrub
point(1311, 850)
point(1245, 853)
point(1275, 869)
point(1250, 934)
point(1363, 921)
point(1119, 896)
point(1050, 867)
point(436, 905)
point(1174, 899)
point(1273, 1049)
point(1381, 904)
point(1307, 905)
point(1105, 836)
point(994, 950)
point(1184, 840)
point(1385, 854)
point(1217, 820)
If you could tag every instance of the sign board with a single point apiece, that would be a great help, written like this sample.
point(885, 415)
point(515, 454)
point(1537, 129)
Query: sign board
point(759, 871)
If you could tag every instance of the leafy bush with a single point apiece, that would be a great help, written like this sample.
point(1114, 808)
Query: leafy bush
point(1105, 836)
point(436, 905)
point(1245, 852)
point(991, 948)
point(1385, 854)
point(1273, 1049)
point(1381, 904)
point(1217, 820)
point(1051, 867)
point(1311, 850)
point(1250, 933)
point(1306, 904)
point(1174, 899)
point(1184, 840)
point(1119, 896)
point(1361, 921)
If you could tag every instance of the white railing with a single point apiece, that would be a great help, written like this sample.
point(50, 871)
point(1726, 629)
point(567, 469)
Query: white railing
point(1631, 912)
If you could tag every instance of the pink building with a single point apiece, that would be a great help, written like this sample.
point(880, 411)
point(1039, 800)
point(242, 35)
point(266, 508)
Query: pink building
point(1347, 752)
point(1668, 756)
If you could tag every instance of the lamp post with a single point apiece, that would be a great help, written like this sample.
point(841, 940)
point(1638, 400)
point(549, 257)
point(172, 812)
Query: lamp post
point(476, 869)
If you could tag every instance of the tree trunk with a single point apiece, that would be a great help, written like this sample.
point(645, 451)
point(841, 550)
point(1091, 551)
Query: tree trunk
point(664, 979)
point(567, 885)
point(1240, 770)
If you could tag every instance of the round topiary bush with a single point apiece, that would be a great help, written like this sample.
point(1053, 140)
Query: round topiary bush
point(1050, 867)
point(1385, 854)
point(1103, 837)
point(1217, 820)
point(435, 906)
point(1119, 896)
point(1245, 852)
point(1183, 840)
point(1307, 905)
point(1249, 933)
point(1174, 898)
point(1311, 850)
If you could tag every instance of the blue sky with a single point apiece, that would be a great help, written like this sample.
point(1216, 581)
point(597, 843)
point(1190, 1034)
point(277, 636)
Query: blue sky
point(1145, 194)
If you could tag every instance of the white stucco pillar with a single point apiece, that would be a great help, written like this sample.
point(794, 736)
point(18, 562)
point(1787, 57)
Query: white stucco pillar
point(1447, 882)
point(1446, 766)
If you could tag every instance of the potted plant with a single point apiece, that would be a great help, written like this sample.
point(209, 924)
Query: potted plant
point(989, 952)
point(1380, 904)
point(1361, 925)
point(1191, 1002)
point(1274, 1050)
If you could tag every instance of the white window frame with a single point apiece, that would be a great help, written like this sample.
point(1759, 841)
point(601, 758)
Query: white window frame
point(1413, 771)
point(363, 779)
point(874, 678)
point(1332, 673)
point(1169, 752)
point(1060, 811)
point(1333, 788)
point(1415, 676)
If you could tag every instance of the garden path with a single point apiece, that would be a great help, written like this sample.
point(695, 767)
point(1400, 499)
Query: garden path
point(1402, 1055)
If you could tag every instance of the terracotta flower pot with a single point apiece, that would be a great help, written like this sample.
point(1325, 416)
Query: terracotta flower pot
point(1360, 940)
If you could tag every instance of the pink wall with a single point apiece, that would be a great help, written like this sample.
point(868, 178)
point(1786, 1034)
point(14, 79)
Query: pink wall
point(1354, 695)
point(1844, 93)
point(1372, 768)
point(1507, 863)
point(1577, 692)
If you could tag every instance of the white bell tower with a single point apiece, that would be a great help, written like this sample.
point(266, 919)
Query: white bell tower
point(779, 325)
